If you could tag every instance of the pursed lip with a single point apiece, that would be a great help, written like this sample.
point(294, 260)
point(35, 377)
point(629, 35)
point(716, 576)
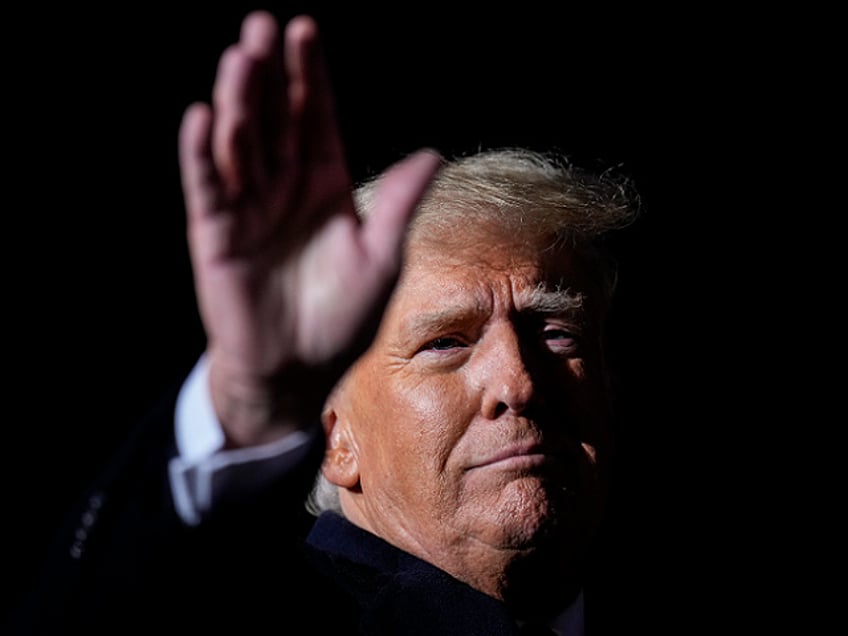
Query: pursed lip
point(517, 455)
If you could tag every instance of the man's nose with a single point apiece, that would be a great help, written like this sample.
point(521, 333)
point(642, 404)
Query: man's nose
point(506, 380)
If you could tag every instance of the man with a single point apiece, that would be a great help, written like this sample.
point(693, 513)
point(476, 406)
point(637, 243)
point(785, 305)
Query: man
point(434, 345)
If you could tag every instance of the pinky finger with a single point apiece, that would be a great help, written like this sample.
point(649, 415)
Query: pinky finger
point(201, 184)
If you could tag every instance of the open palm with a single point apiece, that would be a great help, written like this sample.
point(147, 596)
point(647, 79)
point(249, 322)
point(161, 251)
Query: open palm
point(288, 278)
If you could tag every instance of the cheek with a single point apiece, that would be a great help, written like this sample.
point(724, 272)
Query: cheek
point(426, 419)
point(437, 403)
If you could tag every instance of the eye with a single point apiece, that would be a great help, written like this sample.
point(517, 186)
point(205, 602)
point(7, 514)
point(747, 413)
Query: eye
point(445, 343)
point(560, 340)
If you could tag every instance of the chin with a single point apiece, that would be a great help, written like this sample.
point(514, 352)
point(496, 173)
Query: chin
point(530, 514)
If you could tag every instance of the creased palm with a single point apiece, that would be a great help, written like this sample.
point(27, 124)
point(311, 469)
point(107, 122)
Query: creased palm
point(288, 279)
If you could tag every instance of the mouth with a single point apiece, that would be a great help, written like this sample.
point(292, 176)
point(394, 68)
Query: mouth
point(518, 457)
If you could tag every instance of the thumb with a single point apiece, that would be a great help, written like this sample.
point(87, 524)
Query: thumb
point(398, 192)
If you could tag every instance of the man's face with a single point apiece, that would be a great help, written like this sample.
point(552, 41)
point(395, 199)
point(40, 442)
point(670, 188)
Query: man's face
point(477, 417)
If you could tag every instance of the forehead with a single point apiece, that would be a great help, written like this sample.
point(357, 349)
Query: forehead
point(441, 270)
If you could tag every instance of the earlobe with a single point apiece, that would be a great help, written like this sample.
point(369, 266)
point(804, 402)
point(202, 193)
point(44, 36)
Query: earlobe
point(341, 460)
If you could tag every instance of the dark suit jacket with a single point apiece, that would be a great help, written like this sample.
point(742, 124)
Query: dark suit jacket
point(126, 564)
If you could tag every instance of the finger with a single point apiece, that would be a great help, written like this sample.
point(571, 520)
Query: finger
point(316, 139)
point(260, 39)
point(260, 36)
point(200, 183)
point(398, 193)
point(208, 227)
point(235, 99)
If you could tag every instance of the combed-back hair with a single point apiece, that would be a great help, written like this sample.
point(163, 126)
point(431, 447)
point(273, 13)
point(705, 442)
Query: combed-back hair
point(527, 194)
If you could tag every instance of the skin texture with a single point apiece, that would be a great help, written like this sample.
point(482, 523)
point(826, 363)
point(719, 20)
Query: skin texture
point(470, 432)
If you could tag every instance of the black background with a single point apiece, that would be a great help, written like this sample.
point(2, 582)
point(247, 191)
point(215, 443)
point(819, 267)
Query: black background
point(691, 106)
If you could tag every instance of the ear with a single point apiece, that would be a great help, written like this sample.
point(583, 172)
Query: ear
point(341, 459)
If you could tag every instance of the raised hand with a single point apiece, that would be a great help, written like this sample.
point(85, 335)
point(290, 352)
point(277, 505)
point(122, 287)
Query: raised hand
point(289, 281)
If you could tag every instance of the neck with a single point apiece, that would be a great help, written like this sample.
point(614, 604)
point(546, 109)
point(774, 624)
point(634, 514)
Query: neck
point(540, 585)
point(534, 584)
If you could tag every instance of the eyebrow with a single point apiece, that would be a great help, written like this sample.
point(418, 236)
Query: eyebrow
point(443, 319)
point(557, 301)
point(542, 301)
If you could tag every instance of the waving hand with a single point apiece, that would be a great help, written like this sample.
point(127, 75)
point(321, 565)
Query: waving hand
point(289, 281)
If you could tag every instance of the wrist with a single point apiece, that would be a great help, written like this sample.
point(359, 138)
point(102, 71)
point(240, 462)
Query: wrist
point(255, 409)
